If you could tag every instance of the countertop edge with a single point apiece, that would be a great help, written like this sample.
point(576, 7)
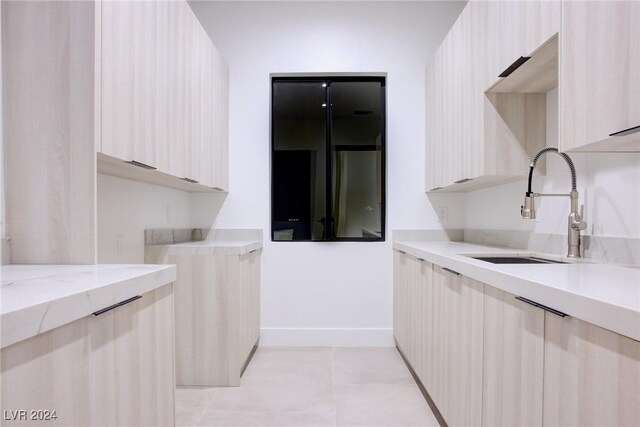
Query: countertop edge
point(24, 323)
point(203, 248)
point(618, 319)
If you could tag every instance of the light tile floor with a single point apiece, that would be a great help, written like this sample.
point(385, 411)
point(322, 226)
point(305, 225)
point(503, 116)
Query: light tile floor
point(305, 386)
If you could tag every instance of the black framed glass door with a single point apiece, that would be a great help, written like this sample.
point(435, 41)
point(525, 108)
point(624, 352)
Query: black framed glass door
point(328, 159)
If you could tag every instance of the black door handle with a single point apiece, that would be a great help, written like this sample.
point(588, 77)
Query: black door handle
point(121, 303)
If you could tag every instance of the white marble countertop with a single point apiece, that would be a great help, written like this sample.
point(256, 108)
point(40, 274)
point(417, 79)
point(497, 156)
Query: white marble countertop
point(606, 295)
point(37, 298)
point(205, 247)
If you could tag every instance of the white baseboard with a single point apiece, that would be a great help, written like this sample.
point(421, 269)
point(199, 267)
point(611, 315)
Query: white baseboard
point(307, 337)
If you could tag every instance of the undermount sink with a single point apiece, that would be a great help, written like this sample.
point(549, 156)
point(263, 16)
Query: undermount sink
point(509, 259)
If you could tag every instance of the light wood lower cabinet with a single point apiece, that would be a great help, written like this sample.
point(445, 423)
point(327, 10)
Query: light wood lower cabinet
point(486, 358)
point(458, 347)
point(591, 375)
point(114, 369)
point(438, 327)
point(400, 299)
point(249, 304)
point(217, 315)
point(512, 362)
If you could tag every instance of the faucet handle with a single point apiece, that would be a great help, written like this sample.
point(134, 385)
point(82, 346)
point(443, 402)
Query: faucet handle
point(578, 222)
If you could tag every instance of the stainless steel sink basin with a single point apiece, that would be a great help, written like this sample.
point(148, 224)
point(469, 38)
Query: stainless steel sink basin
point(507, 259)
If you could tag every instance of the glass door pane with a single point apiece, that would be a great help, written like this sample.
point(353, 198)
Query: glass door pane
point(357, 124)
point(298, 162)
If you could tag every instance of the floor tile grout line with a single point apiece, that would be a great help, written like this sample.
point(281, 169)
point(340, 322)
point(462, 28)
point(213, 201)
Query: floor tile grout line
point(215, 393)
point(335, 384)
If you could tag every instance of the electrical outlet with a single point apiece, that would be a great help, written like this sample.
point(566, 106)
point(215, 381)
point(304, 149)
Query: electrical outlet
point(120, 244)
point(443, 213)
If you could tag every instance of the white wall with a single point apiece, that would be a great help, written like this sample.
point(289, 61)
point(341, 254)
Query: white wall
point(608, 184)
point(327, 293)
point(126, 208)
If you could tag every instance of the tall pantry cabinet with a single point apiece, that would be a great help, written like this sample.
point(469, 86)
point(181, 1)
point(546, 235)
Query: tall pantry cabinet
point(132, 89)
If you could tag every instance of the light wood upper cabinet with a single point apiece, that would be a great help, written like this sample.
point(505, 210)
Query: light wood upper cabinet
point(600, 75)
point(179, 113)
point(134, 81)
point(220, 148)
point(513, 361)
point(163, 86)
point(474, 139)
point(208, 93)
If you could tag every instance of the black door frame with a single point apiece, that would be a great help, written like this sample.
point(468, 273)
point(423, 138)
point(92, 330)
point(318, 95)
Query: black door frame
point(328, 80)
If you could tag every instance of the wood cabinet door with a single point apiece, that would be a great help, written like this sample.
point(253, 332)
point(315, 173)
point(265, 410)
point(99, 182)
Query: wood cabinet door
point(424, 331)
point(512, 361)
point(435, 149)
point(48, 372)
point(599, 73)
point(400, 299)
point(220, 149)
point(249, 304)
point(114, 369)
point(415, 321)
point(134, 76)
point(179, 113)
point(591, 375)
point(457, 342)
point(199, 163)
point(132, 362)
point(208, 160)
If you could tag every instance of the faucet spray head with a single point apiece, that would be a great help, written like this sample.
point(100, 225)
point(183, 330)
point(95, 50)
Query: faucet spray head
point(528, 210)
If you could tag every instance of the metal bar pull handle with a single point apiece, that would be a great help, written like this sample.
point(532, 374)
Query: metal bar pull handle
point(141, 165)
point(193, 181)
point(516, 64)
point(451, 271)
point(626, 131)
point(460, 181)
point(119, 304)
point(544, 307)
